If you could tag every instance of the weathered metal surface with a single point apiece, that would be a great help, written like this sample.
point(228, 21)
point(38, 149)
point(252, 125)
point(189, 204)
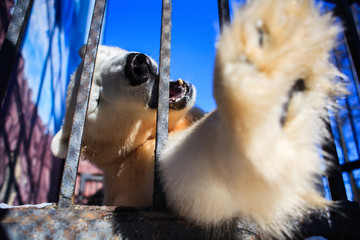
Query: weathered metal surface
point(163, 103)
point(78, 222)
point(12, 42)
point(224, 13)
point(92, 222)
point(73, 153)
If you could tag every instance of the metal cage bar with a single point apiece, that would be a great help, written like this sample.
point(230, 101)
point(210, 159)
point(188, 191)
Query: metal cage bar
point(73, 153)
point(335, 179)
point(12, 42)
point(336, 182)
point(224, 13)
point(342, 139)
point(162, 123)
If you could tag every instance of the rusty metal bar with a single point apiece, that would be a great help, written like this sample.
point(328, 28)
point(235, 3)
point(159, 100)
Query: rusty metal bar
point(163, 103)
point(12, 42)
point(73, 153)
point(224, 13)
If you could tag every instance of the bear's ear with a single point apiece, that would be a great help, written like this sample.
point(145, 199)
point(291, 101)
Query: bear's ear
point(82, 51)
point(59, 144)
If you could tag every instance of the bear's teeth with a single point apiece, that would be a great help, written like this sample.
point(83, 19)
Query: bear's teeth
point(181, 82)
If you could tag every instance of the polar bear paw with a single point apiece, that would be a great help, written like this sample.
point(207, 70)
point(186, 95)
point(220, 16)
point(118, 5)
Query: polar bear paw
point(272, 50)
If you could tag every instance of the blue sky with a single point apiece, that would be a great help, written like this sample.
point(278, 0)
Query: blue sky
point(135, 26)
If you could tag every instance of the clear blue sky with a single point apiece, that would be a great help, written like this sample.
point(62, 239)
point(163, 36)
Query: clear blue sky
point(135, 26)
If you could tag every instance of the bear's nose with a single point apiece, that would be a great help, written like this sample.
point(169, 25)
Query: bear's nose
point(138, 68)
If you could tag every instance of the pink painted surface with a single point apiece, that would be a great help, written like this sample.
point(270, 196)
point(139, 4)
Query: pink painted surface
point(28, 171)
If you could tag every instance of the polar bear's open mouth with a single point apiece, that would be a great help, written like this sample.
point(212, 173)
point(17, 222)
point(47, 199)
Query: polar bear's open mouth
point(180, 95)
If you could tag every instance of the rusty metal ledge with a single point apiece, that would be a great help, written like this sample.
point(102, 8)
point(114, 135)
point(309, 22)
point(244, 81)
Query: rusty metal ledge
point(94, 222)
point(78, 222)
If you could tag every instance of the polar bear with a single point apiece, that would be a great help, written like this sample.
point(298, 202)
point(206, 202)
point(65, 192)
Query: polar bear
point(256, 156)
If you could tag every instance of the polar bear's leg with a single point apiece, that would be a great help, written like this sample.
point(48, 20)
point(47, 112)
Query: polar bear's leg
point(256, 156)
point(59, 144)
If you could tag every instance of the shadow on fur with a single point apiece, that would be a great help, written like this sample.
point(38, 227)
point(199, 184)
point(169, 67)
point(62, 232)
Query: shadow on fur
point(142, 223)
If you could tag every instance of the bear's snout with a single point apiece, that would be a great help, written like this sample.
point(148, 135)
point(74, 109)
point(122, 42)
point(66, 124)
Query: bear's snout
point(139, 68)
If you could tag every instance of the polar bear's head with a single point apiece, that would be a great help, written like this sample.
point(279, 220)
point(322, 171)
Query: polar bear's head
point(123, 100)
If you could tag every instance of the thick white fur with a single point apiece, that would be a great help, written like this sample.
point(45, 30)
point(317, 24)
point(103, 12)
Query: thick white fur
point(119, 133)
point(238, 160)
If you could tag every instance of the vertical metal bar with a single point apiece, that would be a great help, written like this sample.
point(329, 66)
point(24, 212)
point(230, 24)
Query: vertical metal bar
point(73, 153)
point(335, 179)
point(12, 42)
point(354, 188)
point(224, 13)
point(352, 38)
point(163, 103)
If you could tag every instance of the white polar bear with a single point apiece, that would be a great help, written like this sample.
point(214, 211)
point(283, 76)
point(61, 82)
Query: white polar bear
point(255, 156)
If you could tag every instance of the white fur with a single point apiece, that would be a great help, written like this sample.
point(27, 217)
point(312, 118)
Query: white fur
point(119, 133)
point(238, 161)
